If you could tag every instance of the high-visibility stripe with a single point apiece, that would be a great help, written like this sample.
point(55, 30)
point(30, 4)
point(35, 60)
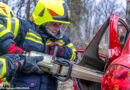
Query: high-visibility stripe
point(48, 42)
point(4, 67)
point(4, 81)
point(74, 50)
point(9, 24)
point(4, 32)
point(73, 56)
point(34, 40)
point(13, 26)
point(30, 33)
point(1, 25)
point(16, 28)
point(61, 42)
point(34, 37)
point(70, 45)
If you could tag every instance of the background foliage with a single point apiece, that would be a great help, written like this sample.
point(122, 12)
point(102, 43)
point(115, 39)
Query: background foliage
point(87, 16)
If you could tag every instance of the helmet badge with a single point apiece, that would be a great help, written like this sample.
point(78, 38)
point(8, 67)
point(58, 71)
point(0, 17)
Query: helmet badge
point(3, 8)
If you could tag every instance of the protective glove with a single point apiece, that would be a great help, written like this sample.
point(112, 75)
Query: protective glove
point(60, 50)
point(16, 62)
point(30, 64)
point(9, 65)
point(14, 49)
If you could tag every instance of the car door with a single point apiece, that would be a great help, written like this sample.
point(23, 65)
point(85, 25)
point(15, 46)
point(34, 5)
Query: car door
point(106, 46)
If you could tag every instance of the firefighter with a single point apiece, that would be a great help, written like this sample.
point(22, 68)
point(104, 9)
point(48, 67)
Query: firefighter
point(5, 12)
point(45, 31)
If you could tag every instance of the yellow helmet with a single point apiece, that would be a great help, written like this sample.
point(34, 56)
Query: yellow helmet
point(51, 11)
point(5, 10)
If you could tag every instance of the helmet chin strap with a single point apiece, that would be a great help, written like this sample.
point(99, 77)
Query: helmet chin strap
point(58, 36)
point(48, 31)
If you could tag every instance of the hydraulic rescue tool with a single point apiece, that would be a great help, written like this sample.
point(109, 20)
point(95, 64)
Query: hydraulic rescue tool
point(63, 69)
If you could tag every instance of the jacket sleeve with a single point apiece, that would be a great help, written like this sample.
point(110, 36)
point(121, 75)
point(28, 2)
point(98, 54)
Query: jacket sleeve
point(70, 51)
point(9, 65)
point(8, 69)
point(3, 70)
point(2, 67)
point(12, 32)
point(6, 38)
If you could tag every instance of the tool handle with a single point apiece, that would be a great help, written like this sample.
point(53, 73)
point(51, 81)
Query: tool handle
point(63, 62)
point(55, 52)
point(47, 49)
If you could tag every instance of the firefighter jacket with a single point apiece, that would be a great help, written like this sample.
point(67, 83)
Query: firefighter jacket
point(27, 36)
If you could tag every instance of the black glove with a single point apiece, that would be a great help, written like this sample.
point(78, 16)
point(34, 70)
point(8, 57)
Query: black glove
point(30, 64)
point(11, 65)
point(16, 62)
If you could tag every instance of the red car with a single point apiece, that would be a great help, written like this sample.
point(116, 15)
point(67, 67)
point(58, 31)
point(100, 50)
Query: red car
point(117, 71)
point(111, 58)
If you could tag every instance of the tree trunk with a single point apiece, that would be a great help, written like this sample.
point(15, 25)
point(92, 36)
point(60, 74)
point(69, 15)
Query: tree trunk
point(28, 9)
point(4, 1)
point(128, 12)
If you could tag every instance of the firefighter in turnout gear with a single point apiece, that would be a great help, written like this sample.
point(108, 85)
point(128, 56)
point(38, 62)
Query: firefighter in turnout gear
point(42, 33)
point(10, 64)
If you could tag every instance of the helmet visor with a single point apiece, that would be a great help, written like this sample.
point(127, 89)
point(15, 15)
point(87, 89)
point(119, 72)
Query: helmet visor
point(56, 29)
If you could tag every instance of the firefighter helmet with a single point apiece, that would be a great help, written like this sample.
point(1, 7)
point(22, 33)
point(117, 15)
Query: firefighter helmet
point(51, 11)
point(5, 10)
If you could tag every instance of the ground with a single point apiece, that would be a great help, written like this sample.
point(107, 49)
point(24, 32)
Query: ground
point(67, 85)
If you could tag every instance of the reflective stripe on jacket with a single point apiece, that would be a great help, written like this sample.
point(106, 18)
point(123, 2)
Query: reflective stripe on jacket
point(3, 71)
